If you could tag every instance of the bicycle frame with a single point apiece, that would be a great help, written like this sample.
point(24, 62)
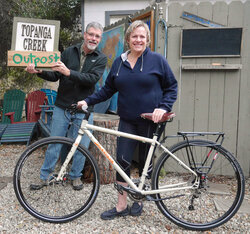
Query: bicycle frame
point(190, 181)
point(85, 129)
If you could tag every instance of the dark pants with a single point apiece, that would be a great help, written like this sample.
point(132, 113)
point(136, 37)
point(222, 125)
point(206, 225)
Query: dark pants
point(126, 147)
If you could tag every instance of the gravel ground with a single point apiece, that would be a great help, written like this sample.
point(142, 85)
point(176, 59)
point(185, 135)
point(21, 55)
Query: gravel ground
point(14, 219)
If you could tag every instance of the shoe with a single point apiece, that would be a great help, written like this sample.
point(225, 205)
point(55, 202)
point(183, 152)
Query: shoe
point(111, 214)
point(136, 209)
point(40, 185)
point(77, 184)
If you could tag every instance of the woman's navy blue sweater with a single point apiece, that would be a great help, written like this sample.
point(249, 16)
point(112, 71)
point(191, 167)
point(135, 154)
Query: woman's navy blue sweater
point(150, 84)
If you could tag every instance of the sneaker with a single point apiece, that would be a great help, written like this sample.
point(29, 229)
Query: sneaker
point(39, 185)
point(77, 184)
point(136, 209)
point(111, 214)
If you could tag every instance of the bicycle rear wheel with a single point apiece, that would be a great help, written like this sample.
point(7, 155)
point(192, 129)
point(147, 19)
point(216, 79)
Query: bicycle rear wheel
point(221, 187)
point(56, 202)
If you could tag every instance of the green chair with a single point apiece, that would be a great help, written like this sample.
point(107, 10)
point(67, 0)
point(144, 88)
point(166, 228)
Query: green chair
point(13, 101)
point(23, 131)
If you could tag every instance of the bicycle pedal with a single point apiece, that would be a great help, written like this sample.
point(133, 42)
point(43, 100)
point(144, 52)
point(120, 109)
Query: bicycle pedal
point(53, 180)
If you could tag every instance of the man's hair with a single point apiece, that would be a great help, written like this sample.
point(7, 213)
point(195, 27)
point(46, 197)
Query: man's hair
point(94, 25)
point(133, 26)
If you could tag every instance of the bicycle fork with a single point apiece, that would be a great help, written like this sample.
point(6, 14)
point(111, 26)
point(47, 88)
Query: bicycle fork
point(72, 151)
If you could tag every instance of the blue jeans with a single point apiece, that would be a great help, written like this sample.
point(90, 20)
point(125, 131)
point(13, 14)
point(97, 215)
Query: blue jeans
point(59, 127)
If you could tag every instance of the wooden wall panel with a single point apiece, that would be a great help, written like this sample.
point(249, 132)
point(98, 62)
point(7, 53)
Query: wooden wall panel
point(243, 141)
point(202, 81)
point(173, 45)
point(232, 85)
point(187, 86)
point(217, 82)
point(213, 100)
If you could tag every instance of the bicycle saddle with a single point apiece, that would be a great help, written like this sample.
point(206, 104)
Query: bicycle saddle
point(165, 117)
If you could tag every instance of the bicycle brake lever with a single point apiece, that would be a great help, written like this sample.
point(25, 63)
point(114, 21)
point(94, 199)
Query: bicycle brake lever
point(73, 109)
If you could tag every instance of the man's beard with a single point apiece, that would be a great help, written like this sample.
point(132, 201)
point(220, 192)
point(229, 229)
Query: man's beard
point(91, 47)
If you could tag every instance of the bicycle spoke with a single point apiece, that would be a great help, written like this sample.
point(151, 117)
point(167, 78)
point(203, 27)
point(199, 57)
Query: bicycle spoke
point(58, 201)
point(220, 192)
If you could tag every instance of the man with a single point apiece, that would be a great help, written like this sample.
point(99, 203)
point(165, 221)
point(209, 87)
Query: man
point(81, 66)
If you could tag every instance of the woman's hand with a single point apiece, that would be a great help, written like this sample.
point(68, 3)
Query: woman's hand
point(32, 69)
point(157, 114)
point(82, 104)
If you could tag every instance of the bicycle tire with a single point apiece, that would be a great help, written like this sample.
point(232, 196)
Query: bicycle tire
point(220, 192)
point(57, 202)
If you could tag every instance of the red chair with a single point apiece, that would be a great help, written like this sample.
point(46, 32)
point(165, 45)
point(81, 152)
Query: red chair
point(33, 110)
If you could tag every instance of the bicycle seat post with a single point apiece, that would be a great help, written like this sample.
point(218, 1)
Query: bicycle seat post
point(159, 128)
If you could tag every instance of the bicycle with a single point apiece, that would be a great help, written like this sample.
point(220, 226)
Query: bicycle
point(190, 182)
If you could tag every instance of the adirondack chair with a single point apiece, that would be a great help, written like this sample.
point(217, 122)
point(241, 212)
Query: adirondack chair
point(2, 129)
point(47, 112)
point(51, 95)
point(13, 101)
point(24, 131)
point(33, 105)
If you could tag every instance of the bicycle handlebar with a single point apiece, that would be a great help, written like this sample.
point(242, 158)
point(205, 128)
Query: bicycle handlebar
point(167, 117)
point(73, 110)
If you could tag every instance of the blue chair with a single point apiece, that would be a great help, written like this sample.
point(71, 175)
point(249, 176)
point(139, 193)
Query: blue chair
point(51, 95)
point(47, 112)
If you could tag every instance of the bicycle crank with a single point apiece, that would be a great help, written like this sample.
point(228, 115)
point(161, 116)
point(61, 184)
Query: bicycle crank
point(134, 195)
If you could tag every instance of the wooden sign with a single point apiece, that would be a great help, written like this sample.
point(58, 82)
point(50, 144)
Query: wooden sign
point(40, 59)
point(34, 41)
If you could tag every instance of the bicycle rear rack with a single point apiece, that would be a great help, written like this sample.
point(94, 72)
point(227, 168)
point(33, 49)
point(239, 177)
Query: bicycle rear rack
point(219, 140)
point(186, 135)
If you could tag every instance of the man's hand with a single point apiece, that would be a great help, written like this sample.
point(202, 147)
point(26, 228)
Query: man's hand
point(82, 104)
point(157, 114)
point(60, 67)
point(32, 69)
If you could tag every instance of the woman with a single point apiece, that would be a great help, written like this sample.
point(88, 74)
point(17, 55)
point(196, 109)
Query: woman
point(145, 83)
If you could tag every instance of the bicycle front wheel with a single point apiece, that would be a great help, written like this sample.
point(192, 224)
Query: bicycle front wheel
point(57, 202)
point(220, 191)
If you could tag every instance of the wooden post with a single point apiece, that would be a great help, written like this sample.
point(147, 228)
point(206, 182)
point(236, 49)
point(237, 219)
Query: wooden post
point(107, 173)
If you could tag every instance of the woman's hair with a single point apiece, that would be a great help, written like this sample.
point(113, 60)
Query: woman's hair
point(133, 26)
